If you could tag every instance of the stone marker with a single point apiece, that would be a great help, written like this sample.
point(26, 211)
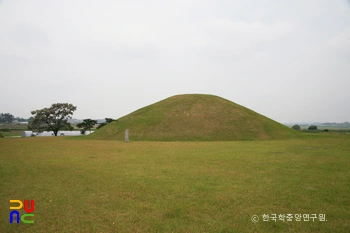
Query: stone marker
point(127, 135)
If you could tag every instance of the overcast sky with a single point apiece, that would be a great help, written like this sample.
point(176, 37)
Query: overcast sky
point(287, 60)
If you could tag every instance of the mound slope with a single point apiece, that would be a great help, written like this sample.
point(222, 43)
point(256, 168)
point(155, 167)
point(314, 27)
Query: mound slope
point(194, 117)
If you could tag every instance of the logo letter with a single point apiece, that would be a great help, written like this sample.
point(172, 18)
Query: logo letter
point(27, 221)
point(18, 207)
point(26, 206)
point(17, 217)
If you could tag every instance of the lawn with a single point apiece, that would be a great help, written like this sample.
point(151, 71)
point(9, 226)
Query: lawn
point(111, 186)
point(11, 133)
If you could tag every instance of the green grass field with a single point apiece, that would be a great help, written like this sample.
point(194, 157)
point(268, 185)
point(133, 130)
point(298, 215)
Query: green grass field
point(11, 133)
point(113, 186)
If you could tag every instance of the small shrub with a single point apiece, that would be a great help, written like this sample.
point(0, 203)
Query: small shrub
point(296, 127)
point(313, 127)
point(1, 136)
point(326, 130)
point(101, 125)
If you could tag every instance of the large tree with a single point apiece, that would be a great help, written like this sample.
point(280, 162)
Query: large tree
point(87, 124)
point(53, 118)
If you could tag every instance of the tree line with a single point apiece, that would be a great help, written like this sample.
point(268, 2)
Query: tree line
point(9, 118)
point(55, 118)
point(311, 127)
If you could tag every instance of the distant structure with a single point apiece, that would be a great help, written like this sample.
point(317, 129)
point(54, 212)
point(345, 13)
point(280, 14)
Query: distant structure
point(51, 134)
point(127, 135)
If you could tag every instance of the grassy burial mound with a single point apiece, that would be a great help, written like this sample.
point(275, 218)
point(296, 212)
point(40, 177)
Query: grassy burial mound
point(194, 117)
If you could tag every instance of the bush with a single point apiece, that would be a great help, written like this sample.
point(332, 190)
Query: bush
point(5, 130)
point(101, 125)
point(326, 130)
point(313, 127)
point(296, 127)
point(1, 136)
